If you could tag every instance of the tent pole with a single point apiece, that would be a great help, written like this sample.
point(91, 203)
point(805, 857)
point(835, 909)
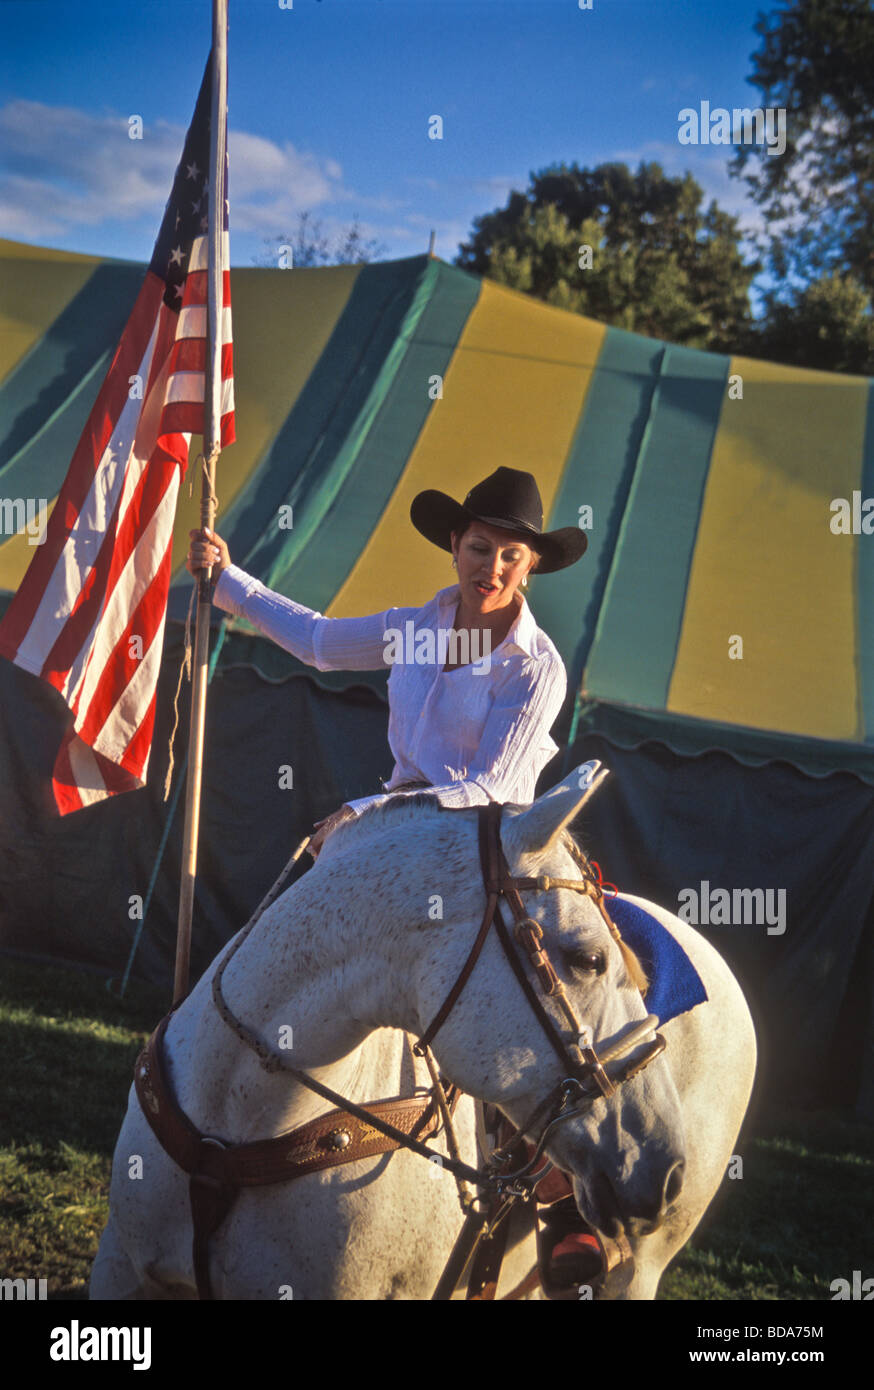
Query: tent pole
point(212, 434)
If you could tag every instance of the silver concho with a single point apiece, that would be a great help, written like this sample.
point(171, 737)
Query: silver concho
point(339, 1139)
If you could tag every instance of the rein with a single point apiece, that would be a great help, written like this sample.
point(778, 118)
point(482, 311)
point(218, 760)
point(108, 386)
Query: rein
point(585, 1079)
point(579, 1058)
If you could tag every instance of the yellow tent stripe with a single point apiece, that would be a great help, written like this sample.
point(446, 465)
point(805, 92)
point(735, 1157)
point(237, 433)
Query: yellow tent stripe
point(512, 395)
point(278, 339)
point(17, 551)
point(766, 566)
point(29, 304)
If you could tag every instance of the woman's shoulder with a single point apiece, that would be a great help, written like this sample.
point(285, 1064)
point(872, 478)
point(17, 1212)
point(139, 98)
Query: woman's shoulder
point(531, 663)
point(433, 609)
point(534, 643)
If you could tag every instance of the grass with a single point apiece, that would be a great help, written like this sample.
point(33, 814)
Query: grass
point(801, 1215)
point(68, 1049)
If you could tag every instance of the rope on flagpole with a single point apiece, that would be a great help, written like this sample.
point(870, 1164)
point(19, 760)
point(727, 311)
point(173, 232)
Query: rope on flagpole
point(184, 670)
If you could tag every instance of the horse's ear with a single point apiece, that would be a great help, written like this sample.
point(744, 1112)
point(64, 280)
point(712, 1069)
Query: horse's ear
point(532, 831)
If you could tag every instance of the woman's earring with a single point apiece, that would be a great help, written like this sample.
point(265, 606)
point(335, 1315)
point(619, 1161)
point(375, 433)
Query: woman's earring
point(525, 582)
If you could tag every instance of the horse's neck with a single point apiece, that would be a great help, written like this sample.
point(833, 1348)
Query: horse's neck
point(318, 995)
point(327, 964)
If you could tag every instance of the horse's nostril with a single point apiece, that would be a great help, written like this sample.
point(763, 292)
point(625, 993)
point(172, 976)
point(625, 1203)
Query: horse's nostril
point(674, 1184)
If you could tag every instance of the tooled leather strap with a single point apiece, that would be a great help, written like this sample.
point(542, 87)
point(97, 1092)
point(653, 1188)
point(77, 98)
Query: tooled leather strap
point(218, 1171)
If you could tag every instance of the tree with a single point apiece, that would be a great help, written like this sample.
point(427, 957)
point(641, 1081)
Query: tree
point(827, 324)
point(816, 61)
point(310, 246)
point(656, 264)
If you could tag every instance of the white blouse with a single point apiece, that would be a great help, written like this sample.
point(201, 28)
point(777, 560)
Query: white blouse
point(477, 733)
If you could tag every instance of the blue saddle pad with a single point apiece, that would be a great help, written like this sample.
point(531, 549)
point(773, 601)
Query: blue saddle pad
point(675, 985)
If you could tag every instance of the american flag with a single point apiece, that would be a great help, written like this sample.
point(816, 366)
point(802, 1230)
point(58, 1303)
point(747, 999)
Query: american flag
point(89, 614)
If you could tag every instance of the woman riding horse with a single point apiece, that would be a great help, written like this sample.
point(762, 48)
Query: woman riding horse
point(470, 730)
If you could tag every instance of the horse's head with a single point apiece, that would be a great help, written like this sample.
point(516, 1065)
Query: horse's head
point(625, 1153)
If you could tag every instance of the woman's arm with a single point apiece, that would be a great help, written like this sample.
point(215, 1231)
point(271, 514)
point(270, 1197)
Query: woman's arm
point(329, 644)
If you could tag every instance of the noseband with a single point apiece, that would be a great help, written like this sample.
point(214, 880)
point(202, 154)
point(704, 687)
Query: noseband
point(585, 1077)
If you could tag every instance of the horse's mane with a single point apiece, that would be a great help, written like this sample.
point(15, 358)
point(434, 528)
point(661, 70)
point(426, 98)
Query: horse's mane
point(419, 801)
point(630, 958)
point(409, 801)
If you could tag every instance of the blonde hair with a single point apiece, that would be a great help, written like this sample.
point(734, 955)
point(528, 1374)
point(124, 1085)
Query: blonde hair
point(534, 551)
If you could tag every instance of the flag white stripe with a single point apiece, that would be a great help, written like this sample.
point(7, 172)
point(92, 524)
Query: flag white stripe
point(86, 773)
point(192, 322)
point(129, 710)
point(199, 258)
point(188, 387)
point(79, 554)
point(141, 452)
point(129, 589)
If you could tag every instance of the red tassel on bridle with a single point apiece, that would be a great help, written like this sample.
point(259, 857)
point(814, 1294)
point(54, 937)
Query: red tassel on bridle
point(604, 887)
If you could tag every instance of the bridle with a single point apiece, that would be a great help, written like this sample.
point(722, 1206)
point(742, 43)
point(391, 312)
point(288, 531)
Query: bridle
point(219, 1170)
point(585, 1079)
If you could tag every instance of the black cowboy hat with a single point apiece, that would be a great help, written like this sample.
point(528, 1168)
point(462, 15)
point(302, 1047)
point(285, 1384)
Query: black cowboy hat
point(507, 498)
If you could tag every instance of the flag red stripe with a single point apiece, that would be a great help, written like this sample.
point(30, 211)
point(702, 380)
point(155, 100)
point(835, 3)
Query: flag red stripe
point(117, 545)
point(186, 417)
point(65, 786)
point(101, 576)
point(136, 759)
point(146, 621)
point(189, 355)
point(197, 288)
point(111, 400)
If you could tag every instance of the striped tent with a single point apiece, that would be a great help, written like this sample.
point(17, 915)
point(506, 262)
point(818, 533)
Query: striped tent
point(719, 632)
point(716, 606)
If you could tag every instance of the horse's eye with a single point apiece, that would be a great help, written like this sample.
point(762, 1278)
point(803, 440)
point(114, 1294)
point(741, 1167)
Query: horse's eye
point(586, 962)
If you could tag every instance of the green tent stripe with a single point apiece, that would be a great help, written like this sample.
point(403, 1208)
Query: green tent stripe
point(642, 614)
point(689, 737)
point(598, 473)
point(382, 439)
point(307, 463)
point(57, 381)
point(865, 585)
point(38, 469)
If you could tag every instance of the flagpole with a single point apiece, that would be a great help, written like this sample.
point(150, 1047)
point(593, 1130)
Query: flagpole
point(212, 433)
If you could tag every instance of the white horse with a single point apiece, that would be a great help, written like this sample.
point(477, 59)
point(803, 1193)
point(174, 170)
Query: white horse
point(355, 951)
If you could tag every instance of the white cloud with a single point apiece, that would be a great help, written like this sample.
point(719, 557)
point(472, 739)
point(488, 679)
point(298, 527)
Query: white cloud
point(61, 167)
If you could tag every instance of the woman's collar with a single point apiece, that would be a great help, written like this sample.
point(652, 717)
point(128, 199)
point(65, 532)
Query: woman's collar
point(522, 630)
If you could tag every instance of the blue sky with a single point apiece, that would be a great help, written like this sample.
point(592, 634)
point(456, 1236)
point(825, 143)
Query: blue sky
point(329, 103)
